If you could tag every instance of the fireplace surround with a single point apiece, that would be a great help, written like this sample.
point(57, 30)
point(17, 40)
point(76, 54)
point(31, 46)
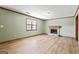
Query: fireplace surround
point(55, 30)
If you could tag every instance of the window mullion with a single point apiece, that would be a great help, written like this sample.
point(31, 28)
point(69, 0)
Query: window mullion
point(31, 25)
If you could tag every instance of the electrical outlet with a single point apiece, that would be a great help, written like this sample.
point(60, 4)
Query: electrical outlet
point(1, 26)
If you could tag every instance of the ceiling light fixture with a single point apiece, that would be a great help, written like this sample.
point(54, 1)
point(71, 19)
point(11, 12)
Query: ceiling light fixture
point(49, 12)
point(27, 13)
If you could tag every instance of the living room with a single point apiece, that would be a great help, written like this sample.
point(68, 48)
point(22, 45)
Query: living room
point(31, 28)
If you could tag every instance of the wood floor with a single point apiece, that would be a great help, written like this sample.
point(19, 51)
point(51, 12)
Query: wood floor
point(41, 44)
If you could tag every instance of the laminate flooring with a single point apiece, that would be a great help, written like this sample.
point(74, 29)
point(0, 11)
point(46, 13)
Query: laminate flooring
point(41, 44)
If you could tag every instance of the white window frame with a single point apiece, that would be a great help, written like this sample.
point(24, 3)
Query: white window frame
point(31, 24)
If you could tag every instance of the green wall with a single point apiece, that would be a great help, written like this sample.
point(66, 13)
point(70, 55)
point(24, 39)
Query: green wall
point(68, 26)
point(15, 25)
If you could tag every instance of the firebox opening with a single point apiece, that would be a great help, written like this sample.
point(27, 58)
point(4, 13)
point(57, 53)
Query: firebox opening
point(54, 31)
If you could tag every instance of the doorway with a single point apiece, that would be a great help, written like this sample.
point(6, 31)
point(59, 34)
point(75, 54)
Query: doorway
point(77, 27)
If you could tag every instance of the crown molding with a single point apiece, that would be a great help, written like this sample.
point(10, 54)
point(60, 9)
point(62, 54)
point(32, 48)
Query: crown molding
point(60, 18)
point(20, 13)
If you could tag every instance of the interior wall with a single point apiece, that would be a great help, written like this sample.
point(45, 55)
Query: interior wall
point(68, 26)
point(14, 26)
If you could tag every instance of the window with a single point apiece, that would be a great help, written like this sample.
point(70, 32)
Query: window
point(31, 25)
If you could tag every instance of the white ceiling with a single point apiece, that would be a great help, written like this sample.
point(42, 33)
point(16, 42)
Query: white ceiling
point(45, 11)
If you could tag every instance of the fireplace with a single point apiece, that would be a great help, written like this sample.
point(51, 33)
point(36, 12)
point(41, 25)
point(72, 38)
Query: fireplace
point(53, 31)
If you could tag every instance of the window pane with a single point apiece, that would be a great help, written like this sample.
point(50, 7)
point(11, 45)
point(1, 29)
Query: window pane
point(34, 27)
point(28, 21)
point(28, 27)
point(33, 22)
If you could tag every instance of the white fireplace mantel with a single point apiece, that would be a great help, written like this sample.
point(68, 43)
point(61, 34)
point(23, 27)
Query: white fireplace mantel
point(57, 28)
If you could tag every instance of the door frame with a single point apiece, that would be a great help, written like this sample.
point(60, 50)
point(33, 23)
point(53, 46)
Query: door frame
point(76, 27)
